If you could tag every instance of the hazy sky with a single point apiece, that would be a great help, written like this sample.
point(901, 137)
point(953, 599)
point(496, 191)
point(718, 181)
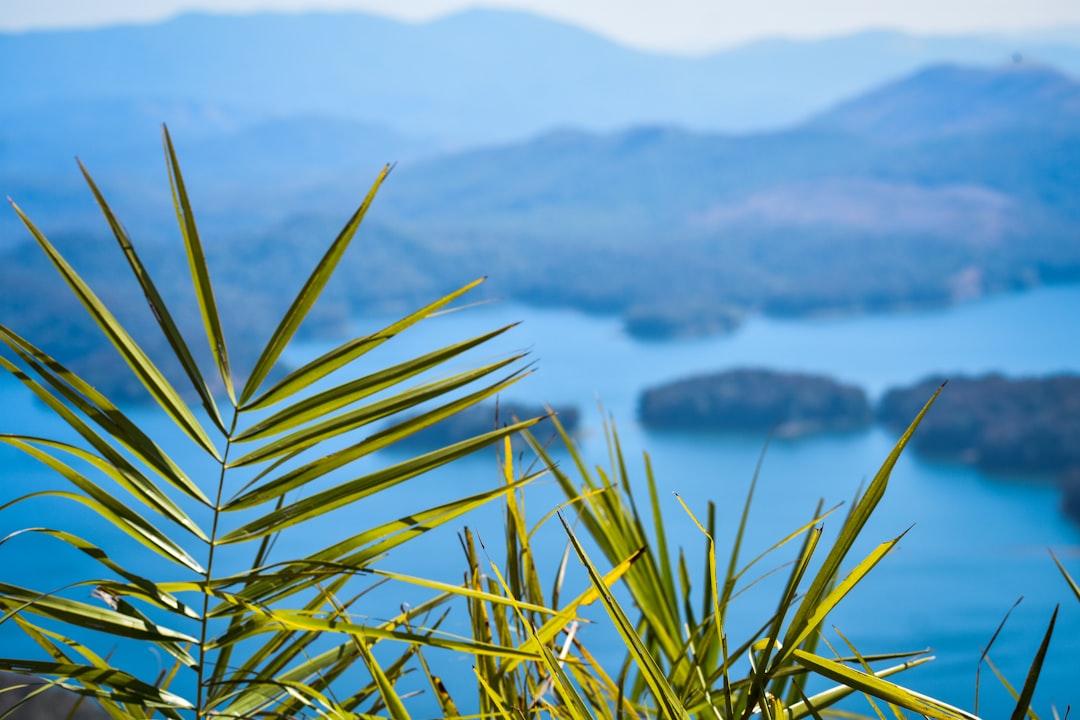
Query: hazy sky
point(671, 25)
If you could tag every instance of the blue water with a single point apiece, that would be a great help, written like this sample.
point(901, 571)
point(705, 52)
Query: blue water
point(975, 545)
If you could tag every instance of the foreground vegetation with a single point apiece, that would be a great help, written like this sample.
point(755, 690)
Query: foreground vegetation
point(253, 462)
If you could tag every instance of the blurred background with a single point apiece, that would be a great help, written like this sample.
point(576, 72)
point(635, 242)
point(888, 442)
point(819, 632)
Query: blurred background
point(870, 195)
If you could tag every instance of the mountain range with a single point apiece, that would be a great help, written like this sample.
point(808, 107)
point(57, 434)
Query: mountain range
point(571, 170)
point(477, 77)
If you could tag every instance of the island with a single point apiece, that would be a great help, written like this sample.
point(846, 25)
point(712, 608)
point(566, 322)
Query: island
point(676, 321)
point(1027, 426)
point(756, 400)
point(997, 424)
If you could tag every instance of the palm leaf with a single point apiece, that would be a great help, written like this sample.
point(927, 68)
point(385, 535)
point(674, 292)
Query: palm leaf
point(324, 403)
point(126, 688)
point(200, 275)
point(127, 478)
point(158, 307)
point(307, 295)
point(140, 586)
point(348, 492)
point(298, 477)
point(311, 435)
point(89, 617)
point(152, 378)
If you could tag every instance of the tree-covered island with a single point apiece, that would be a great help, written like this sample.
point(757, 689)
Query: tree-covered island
point(756, 400)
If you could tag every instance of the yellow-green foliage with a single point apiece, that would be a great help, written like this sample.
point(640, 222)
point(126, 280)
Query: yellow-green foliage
point(276, 639)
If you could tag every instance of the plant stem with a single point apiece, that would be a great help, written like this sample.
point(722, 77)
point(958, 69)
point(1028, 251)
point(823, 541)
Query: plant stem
point(210, 565)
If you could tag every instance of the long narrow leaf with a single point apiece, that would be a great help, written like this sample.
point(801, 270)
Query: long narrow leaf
point(830, 601)
point(273, 620)
point(351, 491)
point(311, 435)
point(148, 373)
point(116, 511)
point(139, 585)
point(324, 403)
point(126, 687)
point(851, 529)
point(294, 479)
point(200, 274)
point(358, 551)
point(1023, 703)
point(158, 307)
point(307, 295)
point(103, 413)
point(669, 705)
point(879, 688)
point(88, 616)
point(310, 373)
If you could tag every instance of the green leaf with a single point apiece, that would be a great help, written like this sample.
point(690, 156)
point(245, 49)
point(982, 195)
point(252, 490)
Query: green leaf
point(306, 375)
point(322, 404)
point(335, 425)
point(669, 705)
point(1068, 578)
point(830, 697)
point(307, 295)
point(390, 697)
point(148, 373)
point(830, 601)
point(879, 688)
point(126, 687)
point(850, 530)
point(89, 617)
point(107, 416)
point(139, 585)
point(273, 619)
point(112, 509)
point(1023, 703)
point(294, 479)
point(158, 307)
point(358, 551)
point(200, 274)
point(348, 492)
point(146, 370)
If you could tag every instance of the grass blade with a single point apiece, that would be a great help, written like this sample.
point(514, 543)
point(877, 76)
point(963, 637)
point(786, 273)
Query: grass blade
point(879, 688)
point(669, 705)
point(1023, 703)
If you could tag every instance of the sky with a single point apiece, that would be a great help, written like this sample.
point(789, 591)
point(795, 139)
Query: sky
point(676, 26)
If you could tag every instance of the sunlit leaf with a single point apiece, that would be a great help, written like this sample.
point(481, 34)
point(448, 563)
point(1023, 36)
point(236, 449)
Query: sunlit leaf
point(308, 294)
point(200, 274)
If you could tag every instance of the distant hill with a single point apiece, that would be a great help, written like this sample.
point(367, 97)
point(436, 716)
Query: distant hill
point(956, 100)
point(821, 218)
point(679, 231)
point(477, 77)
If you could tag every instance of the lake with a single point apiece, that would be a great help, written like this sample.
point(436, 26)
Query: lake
point(975, 545)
